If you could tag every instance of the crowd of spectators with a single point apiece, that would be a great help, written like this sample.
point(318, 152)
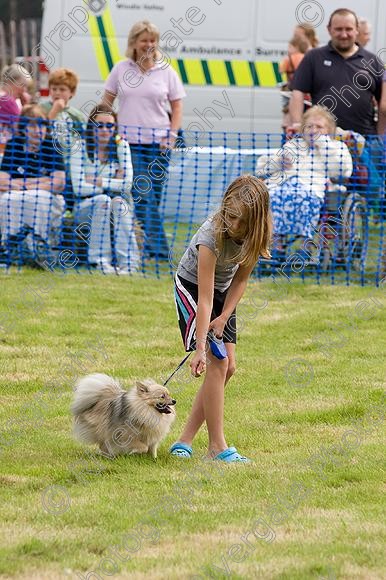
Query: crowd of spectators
point(333, 76)
point(350, 82)
point(109, 170)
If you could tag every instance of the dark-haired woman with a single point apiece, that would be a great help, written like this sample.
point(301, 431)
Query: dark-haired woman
point(102, 175)
point(32, 180)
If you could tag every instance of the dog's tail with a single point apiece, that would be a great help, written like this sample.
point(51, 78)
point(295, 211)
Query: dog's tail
point(91, 389)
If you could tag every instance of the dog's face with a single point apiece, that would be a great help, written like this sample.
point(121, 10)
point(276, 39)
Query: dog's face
point(156, 396)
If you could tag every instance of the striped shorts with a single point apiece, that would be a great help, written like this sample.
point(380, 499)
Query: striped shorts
point(186, 298)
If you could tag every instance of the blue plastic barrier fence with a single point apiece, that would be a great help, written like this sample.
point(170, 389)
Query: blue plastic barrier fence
point(72, 199)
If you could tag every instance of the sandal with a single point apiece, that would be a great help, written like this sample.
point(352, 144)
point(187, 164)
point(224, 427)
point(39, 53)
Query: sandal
point(181, 450)
point(230, 455)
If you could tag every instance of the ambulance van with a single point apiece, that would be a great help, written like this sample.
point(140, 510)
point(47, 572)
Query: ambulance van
point(226, 52)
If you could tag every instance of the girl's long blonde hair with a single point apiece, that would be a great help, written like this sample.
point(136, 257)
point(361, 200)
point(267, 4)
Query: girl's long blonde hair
point(251, 198)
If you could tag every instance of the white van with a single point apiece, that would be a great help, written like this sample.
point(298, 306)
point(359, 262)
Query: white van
point(215, 46)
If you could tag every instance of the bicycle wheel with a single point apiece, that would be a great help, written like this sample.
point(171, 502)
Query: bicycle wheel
point(356, 232)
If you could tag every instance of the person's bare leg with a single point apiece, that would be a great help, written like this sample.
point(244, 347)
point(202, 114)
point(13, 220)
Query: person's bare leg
point(197, 417)
point(231, 351)
point(213, 404)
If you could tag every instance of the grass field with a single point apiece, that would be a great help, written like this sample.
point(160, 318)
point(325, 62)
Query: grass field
point(306, 404)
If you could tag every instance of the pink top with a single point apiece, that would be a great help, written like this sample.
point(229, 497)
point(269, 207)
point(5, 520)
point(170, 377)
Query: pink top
point(9, 109)
point(143, 99)
point(9, 114)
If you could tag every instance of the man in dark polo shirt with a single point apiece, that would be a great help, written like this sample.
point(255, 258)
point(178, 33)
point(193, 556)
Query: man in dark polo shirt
point(341, 76)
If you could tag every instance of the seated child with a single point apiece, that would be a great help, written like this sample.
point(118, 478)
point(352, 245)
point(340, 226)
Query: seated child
point(298, 174)
point(69, 121)
point(32, 179)
point(15, 83)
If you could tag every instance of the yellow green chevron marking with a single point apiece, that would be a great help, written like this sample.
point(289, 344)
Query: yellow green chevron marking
point(219, 73)
point(225, 73)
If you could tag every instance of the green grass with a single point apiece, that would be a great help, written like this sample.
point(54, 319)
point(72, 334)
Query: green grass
point(324, 516)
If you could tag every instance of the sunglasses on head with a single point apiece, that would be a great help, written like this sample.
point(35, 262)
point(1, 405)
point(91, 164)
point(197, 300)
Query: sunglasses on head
point(106, 125)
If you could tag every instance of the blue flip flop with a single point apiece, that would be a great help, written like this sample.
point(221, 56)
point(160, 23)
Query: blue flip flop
point(181, 450)
point(231, 455)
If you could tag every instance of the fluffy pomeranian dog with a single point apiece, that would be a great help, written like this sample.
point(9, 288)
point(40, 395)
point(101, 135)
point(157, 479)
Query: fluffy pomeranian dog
point(122, 422)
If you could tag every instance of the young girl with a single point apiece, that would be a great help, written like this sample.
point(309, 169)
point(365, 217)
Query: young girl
point(210, 281)
point(15, 83)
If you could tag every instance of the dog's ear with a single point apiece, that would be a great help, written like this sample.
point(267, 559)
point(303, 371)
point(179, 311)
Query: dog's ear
point(142, 387)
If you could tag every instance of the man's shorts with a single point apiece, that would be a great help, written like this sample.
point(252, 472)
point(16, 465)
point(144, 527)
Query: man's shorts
point(186, 298)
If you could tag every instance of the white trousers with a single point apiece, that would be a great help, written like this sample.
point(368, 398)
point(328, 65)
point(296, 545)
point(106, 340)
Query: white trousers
point(41, 210)
point(94, 217)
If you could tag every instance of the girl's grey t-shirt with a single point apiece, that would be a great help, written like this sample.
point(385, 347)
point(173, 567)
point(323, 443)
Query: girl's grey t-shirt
point(226, 267)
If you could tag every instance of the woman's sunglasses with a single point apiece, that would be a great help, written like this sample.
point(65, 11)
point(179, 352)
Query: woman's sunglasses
point(106, 125)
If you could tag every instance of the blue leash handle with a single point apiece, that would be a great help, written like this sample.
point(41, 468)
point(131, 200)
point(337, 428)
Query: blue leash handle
point(216, 346)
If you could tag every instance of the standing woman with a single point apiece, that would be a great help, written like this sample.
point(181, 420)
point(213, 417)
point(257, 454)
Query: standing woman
point(145, 83)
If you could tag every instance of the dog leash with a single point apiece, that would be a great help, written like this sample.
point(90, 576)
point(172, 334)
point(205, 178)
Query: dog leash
point(215, 348)
point(178, 368)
